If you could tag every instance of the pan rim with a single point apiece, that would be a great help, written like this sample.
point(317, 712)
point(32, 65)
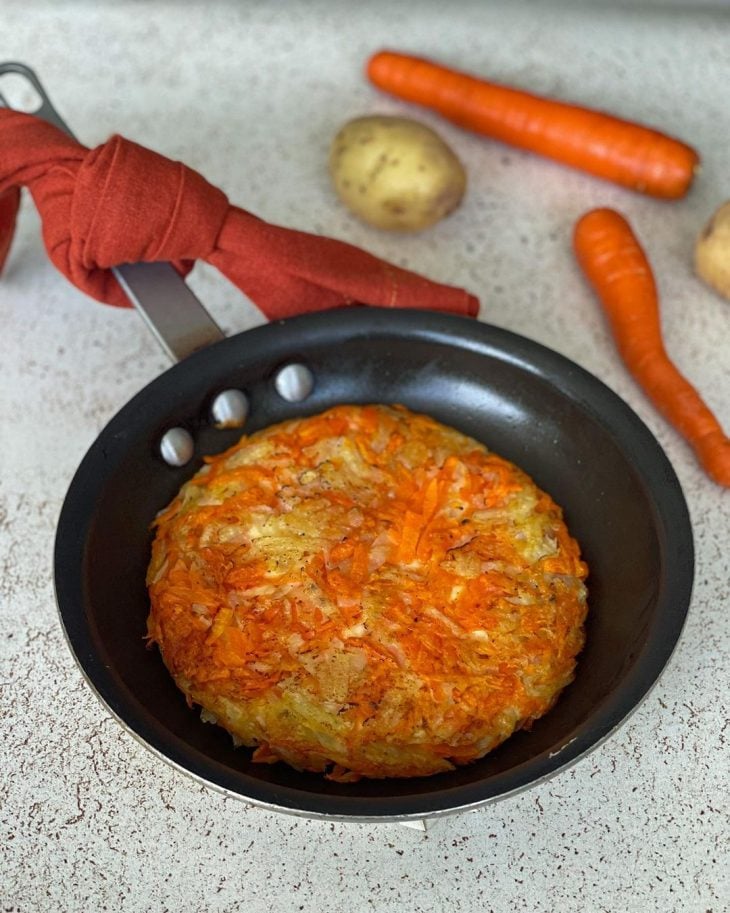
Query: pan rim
point(646, 456)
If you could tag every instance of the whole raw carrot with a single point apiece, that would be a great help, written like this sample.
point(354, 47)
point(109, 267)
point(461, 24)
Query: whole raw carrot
point(617, 268)
point(617, 150)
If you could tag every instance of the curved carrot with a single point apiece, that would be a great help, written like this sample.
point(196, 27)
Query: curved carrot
point(617, 150)
point(617, 268)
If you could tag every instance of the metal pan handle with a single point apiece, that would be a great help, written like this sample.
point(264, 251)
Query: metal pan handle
point(175, 316)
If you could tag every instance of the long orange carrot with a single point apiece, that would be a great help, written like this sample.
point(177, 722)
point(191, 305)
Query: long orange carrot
point(617, 150)
point(617, 268)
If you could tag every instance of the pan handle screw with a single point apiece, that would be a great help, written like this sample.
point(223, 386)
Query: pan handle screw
point(229, 409)
point(294, 383)
point(177, 447)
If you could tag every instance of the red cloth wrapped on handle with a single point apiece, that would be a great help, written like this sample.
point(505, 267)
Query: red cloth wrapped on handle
point(122, 203)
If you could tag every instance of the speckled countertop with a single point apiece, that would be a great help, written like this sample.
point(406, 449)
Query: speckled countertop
point(250, 94)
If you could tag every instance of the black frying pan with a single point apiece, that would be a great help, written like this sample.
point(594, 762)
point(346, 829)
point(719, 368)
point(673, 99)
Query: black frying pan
point(576, 438)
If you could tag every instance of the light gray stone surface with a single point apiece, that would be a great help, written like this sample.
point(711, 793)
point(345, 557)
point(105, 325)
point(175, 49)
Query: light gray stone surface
point(251, 94)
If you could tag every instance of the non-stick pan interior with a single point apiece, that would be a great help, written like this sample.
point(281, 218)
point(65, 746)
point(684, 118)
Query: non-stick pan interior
point(577, 440)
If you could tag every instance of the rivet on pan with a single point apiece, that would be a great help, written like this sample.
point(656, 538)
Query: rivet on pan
point(294, 383)
point(177, 447)
point(229, 409)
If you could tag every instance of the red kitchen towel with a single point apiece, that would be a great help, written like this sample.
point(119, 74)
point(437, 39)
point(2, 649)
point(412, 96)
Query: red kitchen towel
point(122, 203)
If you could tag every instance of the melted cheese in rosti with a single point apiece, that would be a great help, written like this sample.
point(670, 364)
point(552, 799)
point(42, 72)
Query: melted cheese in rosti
point(366, 592)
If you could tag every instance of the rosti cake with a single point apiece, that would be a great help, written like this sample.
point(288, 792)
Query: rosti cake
point(366, 592)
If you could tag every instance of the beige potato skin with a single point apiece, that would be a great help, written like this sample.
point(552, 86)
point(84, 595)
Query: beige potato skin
point(712, 251)
point(395, 173)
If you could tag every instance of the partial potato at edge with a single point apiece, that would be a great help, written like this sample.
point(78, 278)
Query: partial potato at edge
point(712, 251)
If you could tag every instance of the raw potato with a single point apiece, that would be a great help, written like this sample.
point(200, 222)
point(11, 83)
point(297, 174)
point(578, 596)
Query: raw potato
point(712, 252)
point(395, 173)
